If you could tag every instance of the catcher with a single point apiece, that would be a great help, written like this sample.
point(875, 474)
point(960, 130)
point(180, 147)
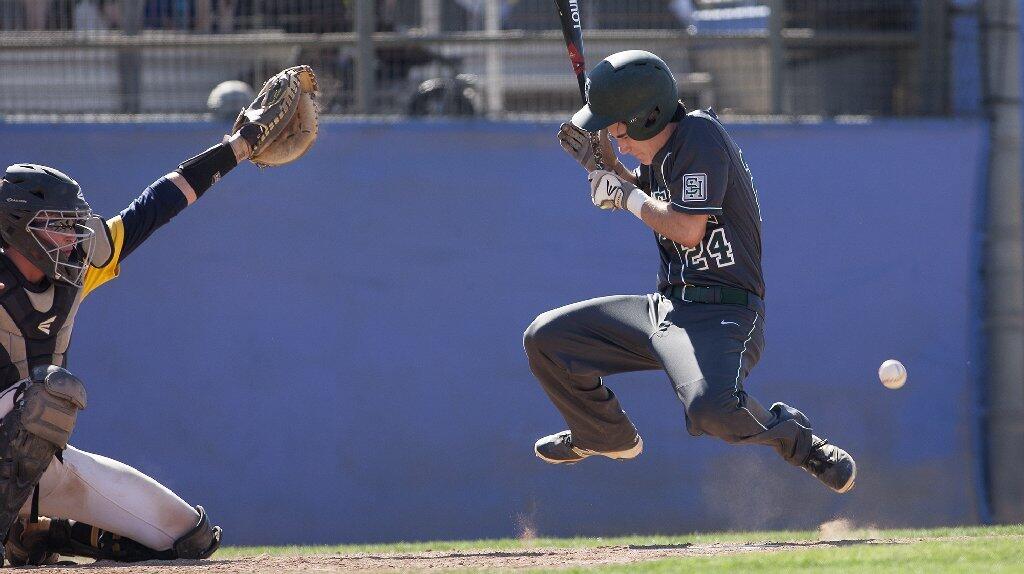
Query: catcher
point(55, 251)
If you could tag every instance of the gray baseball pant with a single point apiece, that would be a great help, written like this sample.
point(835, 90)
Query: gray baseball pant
point(707, 350)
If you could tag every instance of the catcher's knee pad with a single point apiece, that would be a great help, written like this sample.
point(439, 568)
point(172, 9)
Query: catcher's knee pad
point(200, 542)
point(51, 403)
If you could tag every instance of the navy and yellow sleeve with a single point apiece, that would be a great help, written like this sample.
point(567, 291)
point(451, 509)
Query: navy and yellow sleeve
point(96, 276)
point(157, 205)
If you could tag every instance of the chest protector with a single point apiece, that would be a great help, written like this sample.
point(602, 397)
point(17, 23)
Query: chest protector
point(35, 323)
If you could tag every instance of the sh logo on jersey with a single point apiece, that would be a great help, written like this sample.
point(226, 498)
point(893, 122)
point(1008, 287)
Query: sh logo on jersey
point(695, 187)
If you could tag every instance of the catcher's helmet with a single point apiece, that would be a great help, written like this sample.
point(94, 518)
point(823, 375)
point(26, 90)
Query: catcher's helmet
point(44, 215)
point(635, 87)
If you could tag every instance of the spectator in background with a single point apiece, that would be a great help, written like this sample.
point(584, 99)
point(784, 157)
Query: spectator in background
point(169, 14)
point(37, 12)
point(311, 16)
point(107, 15)
point(874, 15)
point(215, 16)
point(92, 15)
point(204, 16)
point(128, 15)
point(683, 9)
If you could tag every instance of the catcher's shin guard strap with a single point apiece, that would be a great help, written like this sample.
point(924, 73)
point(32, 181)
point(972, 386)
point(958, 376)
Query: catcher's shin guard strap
point(203, 170)
point(80, 539)
point(46, 541)
point(200, 542)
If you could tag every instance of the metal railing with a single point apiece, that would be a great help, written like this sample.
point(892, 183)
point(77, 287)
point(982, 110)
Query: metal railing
point(423, 57)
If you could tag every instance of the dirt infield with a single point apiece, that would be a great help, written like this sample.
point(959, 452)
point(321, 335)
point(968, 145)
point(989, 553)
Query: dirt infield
point(470, 559)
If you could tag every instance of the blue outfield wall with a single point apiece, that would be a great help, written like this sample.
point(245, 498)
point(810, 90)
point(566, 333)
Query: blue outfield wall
point(331, 351)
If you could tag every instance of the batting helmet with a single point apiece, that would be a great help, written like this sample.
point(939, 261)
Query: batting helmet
point(635, 87)
point(44, 215)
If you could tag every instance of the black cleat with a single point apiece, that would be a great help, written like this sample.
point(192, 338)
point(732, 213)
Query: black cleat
point(28, 543)
point(558, 449)
point(833, 466)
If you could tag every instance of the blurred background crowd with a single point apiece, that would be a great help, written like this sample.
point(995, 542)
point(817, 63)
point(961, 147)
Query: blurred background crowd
point(493, 58)
point(224, 16)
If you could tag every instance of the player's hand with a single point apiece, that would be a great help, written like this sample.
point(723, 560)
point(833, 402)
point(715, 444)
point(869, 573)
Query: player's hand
point(580, 145)
point(281, 123)
point(609, 191)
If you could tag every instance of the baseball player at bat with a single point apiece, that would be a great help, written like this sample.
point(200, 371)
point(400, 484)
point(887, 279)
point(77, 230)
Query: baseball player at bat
point(55, 252)
point(705, 324)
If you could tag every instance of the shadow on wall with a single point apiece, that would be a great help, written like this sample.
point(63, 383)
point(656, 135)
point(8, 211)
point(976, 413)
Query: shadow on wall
point(342, 337)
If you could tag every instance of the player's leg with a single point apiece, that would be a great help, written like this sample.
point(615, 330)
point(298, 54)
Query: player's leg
point(708, 353)
point(114, 512)
point(41, 413)
point(569, 350)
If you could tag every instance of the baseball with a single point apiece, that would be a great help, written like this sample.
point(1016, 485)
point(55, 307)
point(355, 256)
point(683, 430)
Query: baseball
point(892, 374)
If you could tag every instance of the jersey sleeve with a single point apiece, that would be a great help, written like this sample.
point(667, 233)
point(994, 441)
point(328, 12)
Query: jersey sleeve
point(96, 276)
point(160, 202)
point(699, 175)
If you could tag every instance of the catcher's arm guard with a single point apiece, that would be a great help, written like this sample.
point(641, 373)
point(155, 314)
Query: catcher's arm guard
point(286, 115)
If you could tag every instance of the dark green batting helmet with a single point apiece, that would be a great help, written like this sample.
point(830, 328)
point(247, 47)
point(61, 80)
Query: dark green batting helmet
point(635, 87)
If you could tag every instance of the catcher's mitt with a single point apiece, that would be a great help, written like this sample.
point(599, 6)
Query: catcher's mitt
point(285, 111)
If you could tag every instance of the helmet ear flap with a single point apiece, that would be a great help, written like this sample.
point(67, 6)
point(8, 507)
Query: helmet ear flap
point(643, 126)
point(652, 118)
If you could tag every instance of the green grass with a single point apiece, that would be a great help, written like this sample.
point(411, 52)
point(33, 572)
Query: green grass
point(959, 549)
point(976, 556)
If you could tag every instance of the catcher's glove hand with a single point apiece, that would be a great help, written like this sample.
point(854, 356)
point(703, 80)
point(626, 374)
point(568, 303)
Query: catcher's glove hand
point(285, 115)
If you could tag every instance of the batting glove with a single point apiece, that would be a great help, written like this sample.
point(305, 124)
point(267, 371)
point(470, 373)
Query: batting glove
point(607, 191)
point(587, 149)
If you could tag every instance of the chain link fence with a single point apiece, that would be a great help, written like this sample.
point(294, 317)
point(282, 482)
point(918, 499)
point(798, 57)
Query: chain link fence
point(494, 58)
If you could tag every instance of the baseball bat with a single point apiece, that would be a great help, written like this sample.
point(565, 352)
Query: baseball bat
point(572, 30)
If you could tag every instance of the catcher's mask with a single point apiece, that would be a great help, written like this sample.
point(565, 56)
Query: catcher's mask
point(44, 216)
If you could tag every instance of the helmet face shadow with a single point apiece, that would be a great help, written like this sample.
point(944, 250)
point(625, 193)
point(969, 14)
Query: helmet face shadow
point(67, 240)
point(44, 216)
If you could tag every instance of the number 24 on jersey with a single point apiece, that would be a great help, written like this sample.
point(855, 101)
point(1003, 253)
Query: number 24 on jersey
point(715, 247)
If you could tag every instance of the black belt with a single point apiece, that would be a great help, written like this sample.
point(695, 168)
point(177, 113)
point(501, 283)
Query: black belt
point(716, 294)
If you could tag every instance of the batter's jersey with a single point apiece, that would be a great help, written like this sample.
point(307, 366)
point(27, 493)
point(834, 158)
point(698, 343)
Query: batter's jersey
point(700, 170)
point(36, 319)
